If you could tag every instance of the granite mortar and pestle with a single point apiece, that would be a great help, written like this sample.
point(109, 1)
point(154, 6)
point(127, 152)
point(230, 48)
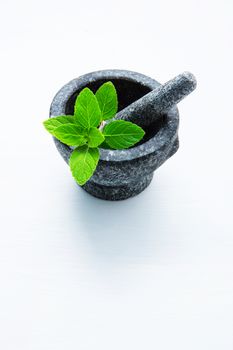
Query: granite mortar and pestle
point(121, 174)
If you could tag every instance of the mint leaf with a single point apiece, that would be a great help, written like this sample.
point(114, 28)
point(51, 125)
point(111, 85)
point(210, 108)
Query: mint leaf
point(86, 110)
point(70, 134)
point(121, 134)
point(95, 137)
point(107, 98)
point(52, 123)
point(105, 145)
point(83, 162)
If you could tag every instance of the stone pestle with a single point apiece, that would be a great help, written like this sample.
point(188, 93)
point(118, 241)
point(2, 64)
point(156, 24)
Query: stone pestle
point(121, 174)
point(151, 106)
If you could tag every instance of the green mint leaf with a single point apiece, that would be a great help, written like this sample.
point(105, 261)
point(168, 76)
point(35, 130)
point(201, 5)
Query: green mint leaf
point(121, 134)
point(86, 110)
point(95, 137)
point(52, 123)
point(70, 134)
point(107, 98)
point(83, 162)
point(105, 145)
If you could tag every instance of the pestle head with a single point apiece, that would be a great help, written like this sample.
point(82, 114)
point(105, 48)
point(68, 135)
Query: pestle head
point(186, 79)
point(175, 90)
point(149, 108)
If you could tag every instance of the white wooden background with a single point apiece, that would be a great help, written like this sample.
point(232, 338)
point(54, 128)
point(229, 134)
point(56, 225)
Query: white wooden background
point(152, 272)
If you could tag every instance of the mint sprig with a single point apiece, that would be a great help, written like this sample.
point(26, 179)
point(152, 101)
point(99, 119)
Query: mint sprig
point(86, 130)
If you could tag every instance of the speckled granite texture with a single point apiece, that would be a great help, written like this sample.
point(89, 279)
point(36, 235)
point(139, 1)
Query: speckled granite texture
point(147, 108)
point(121, 174)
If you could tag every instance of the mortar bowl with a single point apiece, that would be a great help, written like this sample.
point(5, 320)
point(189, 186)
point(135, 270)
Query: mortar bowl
point(121, 174)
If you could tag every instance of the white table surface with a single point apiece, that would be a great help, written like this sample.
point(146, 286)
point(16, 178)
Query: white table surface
point(152, 272)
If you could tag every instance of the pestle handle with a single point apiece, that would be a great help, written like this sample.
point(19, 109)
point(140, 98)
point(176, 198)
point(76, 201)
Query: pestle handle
point(148, 108)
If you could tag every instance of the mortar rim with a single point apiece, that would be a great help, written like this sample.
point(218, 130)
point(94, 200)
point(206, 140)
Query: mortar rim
point(154, 144)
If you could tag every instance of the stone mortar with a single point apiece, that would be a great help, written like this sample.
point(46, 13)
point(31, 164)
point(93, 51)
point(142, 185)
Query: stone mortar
point(121, 174)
